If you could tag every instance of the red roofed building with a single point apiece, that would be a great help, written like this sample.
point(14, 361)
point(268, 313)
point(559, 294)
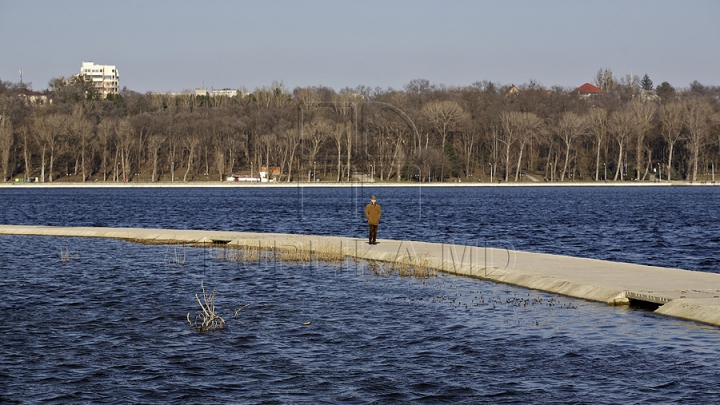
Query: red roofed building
point(587, 90)
point(33, 97)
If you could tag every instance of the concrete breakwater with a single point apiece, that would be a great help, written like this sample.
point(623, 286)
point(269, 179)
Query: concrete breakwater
point(680, 293)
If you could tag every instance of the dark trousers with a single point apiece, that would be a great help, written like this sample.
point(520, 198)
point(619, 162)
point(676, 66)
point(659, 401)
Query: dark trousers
point(373, 233)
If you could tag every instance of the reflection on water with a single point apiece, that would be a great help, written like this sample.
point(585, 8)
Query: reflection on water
point(106, 324)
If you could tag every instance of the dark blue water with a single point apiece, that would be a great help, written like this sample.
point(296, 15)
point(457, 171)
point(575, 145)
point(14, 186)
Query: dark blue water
point(661, 226)
point(107, 324)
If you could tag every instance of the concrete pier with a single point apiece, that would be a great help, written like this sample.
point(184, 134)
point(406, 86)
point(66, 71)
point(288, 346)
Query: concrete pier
point(680, 293)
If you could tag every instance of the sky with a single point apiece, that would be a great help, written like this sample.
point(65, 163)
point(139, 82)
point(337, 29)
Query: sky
point(176, 45)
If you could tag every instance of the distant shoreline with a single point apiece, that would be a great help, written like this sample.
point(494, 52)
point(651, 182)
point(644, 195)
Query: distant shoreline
point(341, 184)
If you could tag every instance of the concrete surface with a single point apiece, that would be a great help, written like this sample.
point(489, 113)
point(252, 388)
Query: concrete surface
point(684, 294)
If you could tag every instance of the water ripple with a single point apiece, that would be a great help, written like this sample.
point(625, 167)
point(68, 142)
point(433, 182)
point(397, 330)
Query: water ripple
point(109, 325)
point(661, 226)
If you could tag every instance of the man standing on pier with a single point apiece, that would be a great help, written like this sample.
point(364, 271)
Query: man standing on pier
point(372, 213)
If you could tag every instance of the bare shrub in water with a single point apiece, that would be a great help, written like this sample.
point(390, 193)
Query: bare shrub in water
point(406, 266)
point(328, 254)
point(418, 267)
point(379, 268)
point(175, 257)
point(206, 320)
point(414, 266)
point(294, 256)
point(65, 254)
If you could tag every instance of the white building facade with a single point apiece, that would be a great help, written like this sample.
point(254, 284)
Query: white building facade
point(105, 78)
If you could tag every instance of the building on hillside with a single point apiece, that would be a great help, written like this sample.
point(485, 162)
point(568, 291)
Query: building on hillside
point(648, 95)
point(105, 78)
point(514, 91)
point(33, 97)
point(225, 92)
point(587, 90)
point(218, 92)
point(245, 178)
point(266, 172)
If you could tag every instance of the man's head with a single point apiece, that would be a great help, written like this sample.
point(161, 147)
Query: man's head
point(372, 199)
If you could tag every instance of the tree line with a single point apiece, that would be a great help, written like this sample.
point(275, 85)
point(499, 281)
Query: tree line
point(421, 133)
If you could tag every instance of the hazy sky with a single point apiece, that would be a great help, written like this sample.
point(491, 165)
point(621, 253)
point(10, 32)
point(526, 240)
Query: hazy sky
point(174, 45)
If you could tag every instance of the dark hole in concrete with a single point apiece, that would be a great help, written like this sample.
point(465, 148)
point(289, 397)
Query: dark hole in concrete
point(647, 305)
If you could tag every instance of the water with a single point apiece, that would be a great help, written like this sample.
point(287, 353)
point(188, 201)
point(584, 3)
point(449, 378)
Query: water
point(107, 324)
point(661, 226)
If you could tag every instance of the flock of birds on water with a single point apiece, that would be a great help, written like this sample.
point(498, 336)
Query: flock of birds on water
point(480, 299)
point(486, 300)
point(513, 301)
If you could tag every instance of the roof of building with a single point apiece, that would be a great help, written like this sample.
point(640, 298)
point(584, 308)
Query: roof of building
point(588, 88)
point(28, 92)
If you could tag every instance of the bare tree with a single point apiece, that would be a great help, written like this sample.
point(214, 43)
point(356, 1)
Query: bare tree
point(393, 140)
point(430, 160)
point(530, 126)
point(220, 162)
point(292, 139)
point(6, 141)
point(171, 130)
point(399, 153)
point(671, 127)
point(221, 139)
point(604, 79)
point(349, 138)
point(106, 134)
point(55, 125)
point(24, 138)
point(697, 121)
point(338, 135)
point(570, 127)
point(643, 113)
point(317, 133)
point(237, 141)
point(517, 127)
point(142, 124)
point(81, 130)
point(274, 96)
point(41, 128)
point(597, 126)
point(444, 117)
point(468, 139)
point(620, 126)
point(462, 127)
point(124, 143)
point(345, 105)
point(510, 132)
point(206, 143)
point(155, 142)
point(307, 97)
point(383, 158)
point(191, 144)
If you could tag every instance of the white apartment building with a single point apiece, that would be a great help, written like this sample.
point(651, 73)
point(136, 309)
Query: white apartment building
point(105, 78)
point(217, 92)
